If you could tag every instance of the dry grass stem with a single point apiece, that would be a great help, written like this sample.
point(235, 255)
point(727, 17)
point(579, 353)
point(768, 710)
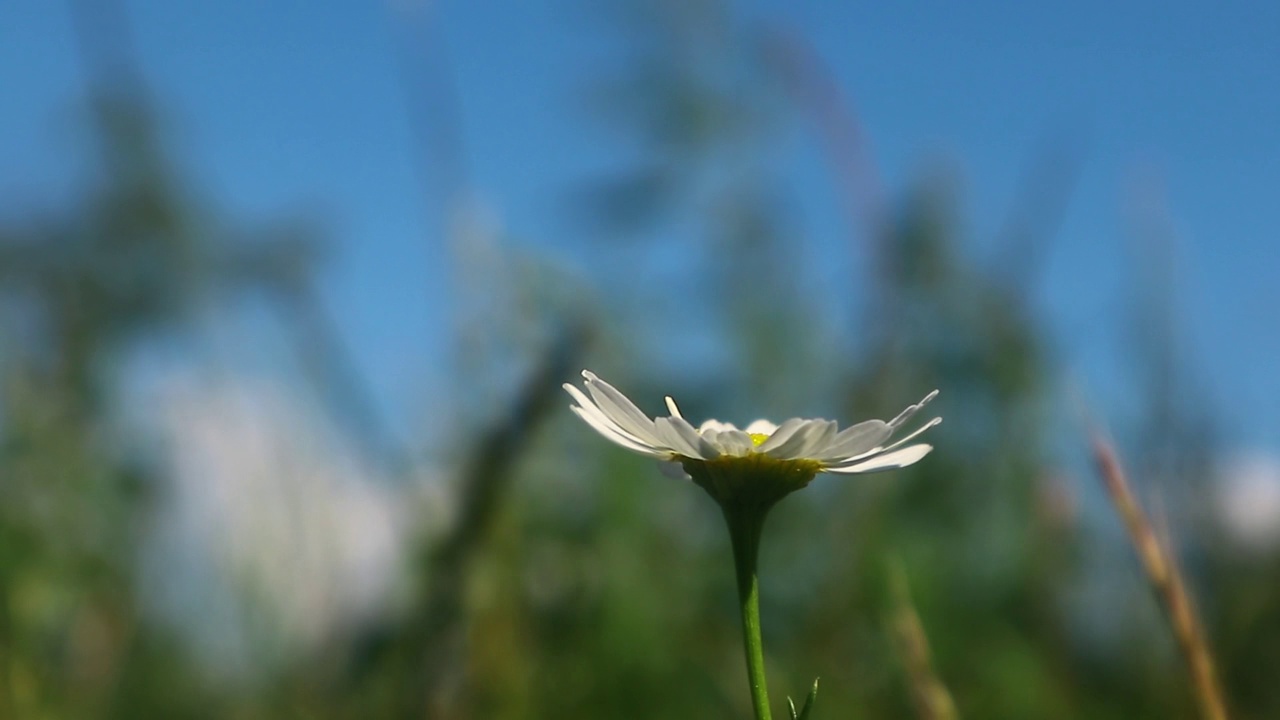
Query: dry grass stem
point(1157, 561)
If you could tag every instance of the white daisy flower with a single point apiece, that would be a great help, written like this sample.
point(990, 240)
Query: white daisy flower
point(761, 462)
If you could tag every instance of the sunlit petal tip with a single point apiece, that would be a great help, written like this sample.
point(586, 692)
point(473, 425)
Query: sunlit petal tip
point(911, 410)
point(584, 402)
point(568, 388)
point(761, 427)
point(914, 434)
point(620, 409)
point(671, 407)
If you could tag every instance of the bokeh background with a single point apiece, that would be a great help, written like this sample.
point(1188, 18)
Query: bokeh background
point(287, 291)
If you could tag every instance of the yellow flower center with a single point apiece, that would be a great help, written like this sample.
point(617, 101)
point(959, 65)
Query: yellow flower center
point(757, 439)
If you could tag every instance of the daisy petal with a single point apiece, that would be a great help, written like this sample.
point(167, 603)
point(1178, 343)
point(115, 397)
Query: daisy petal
point(671, 407)
point(795, 443)
point(905, 415)
point(618, 407)
point(856, 439)
point(589, 406)
point(912, 436)
point(877, 451)
point(694, 438)
point(889, 461)
point(734, 442)
point(618, 438)
point(761, 427)
point(671, 438)
point(711, 436)
point(781, 435)
point(819, 438)
point(681, 437)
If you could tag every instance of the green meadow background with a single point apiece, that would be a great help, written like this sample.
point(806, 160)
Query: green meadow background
point(212, 506)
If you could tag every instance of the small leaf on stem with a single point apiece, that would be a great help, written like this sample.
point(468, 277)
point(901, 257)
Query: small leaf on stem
point(808, 703)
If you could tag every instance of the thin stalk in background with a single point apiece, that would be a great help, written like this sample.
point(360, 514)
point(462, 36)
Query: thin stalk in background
point(929, 694)
point(1166, 581)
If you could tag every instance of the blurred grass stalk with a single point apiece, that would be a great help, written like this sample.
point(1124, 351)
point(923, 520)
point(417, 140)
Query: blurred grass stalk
point(1162, 572)
point(928, 693)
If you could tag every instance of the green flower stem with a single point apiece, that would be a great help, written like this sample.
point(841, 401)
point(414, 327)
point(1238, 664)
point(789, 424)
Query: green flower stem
point(746, 522)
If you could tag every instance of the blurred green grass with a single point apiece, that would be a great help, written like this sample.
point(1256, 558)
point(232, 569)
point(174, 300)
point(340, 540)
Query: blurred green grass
point(547, 575)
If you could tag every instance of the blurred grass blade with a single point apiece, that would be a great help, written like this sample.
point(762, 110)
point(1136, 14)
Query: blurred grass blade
point(1162, 572)
point(930, 696)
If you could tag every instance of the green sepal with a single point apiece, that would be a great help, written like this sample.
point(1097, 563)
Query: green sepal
point(808, 703)
point(754, 480)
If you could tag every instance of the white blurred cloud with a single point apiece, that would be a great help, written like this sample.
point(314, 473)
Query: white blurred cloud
point(1247, 497)
point(271, 535)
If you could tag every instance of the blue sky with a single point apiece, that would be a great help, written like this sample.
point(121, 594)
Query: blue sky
point(296, 108)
